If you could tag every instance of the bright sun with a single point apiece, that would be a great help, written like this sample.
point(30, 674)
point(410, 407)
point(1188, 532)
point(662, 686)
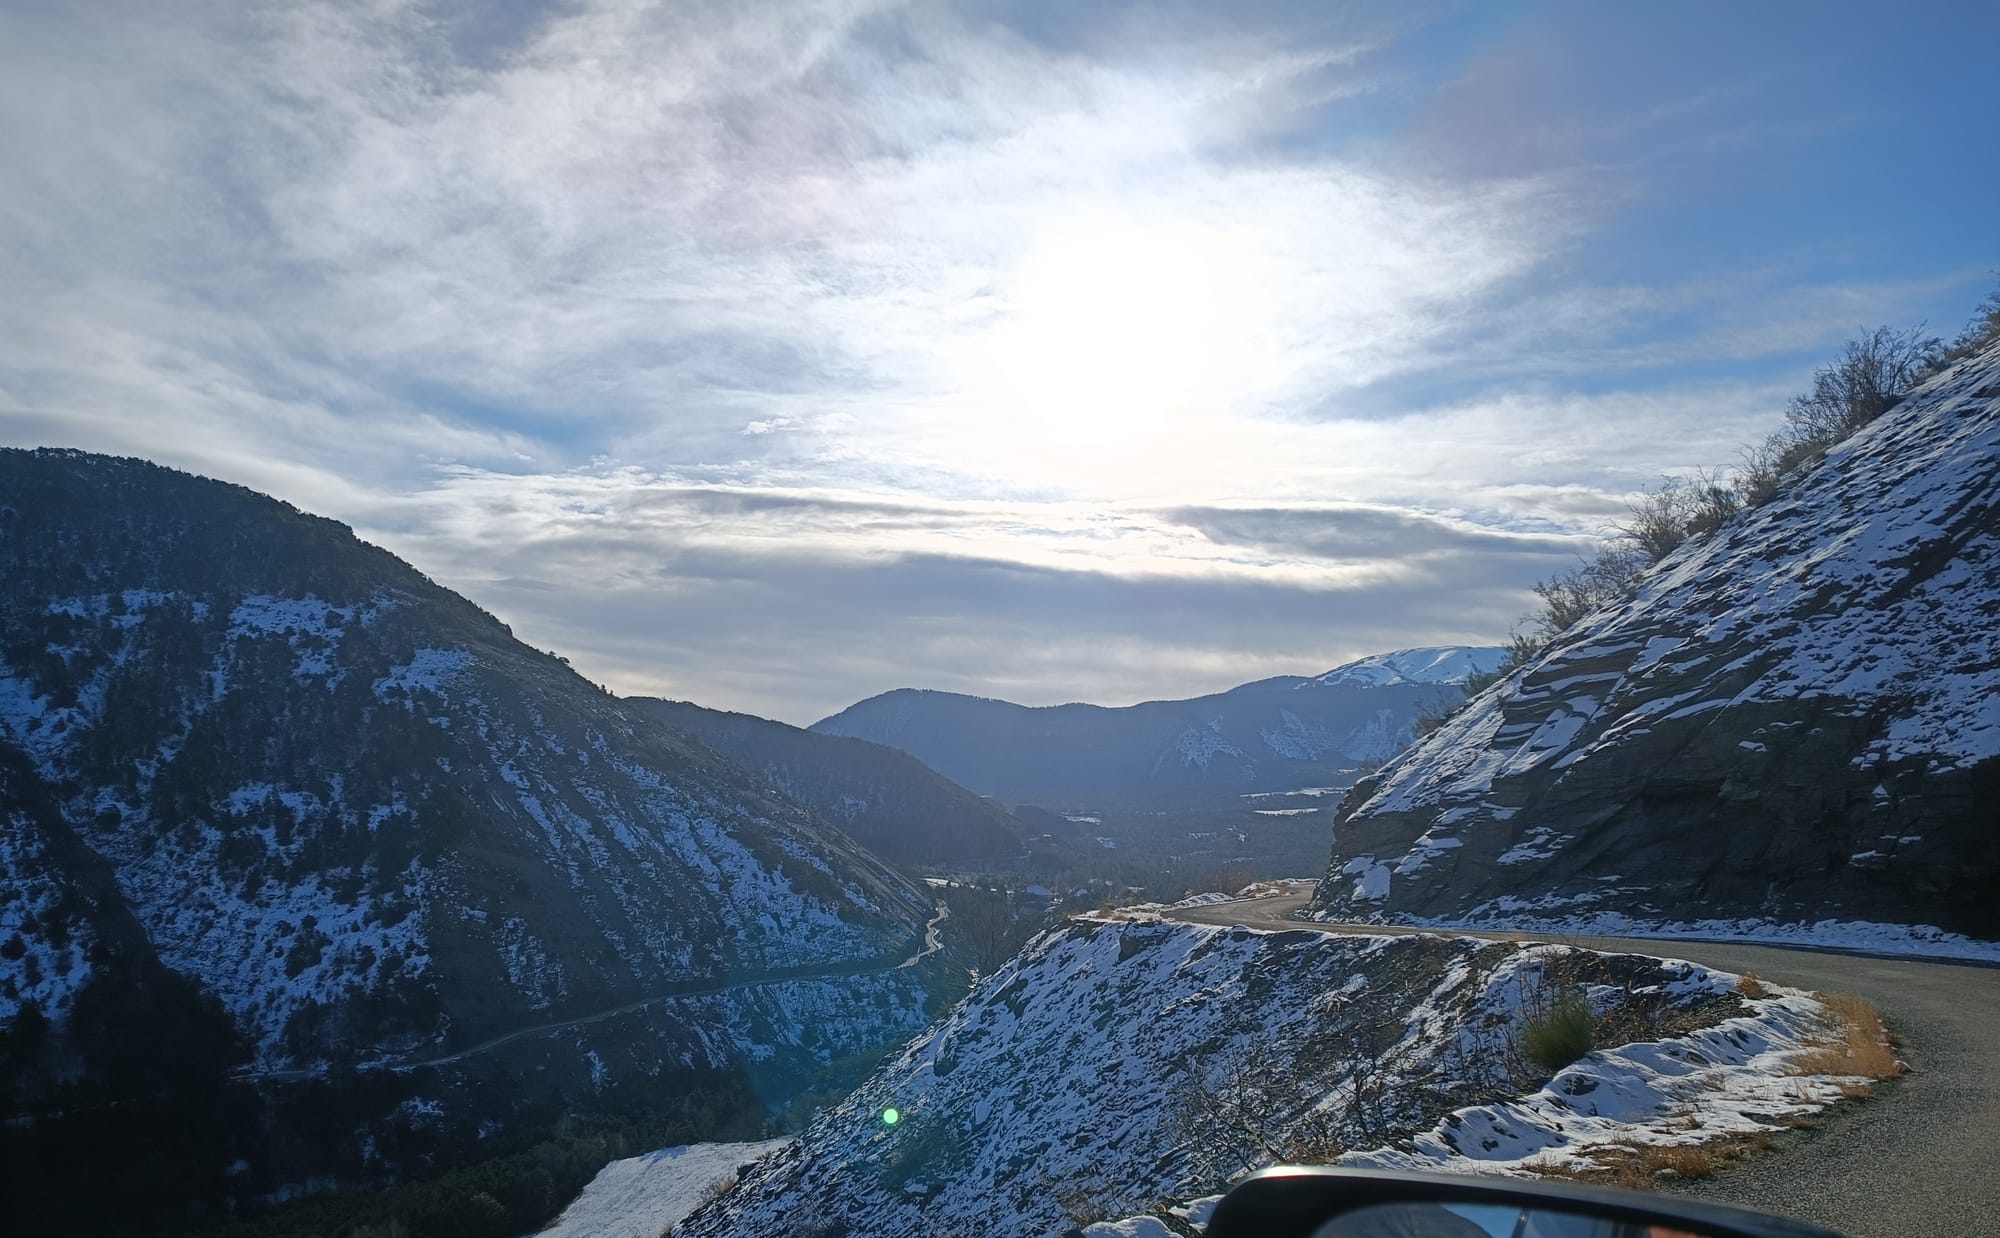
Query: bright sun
point(1120, 347)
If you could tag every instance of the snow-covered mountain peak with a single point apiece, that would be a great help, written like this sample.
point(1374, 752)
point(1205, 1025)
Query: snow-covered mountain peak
point(1437, 664)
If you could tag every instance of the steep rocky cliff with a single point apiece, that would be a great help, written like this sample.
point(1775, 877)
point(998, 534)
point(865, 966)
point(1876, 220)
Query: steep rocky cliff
point(1796, 722)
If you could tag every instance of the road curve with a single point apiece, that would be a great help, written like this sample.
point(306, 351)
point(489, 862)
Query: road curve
point(1923, 1158)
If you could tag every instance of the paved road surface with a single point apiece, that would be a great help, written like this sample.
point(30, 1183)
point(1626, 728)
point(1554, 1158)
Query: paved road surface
point(1921, 1159)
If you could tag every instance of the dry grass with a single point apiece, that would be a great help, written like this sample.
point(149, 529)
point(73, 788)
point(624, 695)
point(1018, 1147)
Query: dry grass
point(1640, 1166)
point(1853, 1043)
point(1749, 984)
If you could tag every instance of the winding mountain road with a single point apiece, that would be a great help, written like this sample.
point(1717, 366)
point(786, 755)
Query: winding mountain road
point(1922, 1158)
point(932, 942)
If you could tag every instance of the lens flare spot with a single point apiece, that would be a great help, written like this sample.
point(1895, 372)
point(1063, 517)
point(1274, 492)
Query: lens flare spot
point(891, 1116)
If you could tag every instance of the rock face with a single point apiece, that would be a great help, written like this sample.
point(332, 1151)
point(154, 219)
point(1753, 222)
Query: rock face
point(1796, 720)
point(349, 805)
point(1272, 735)
point(887, 800)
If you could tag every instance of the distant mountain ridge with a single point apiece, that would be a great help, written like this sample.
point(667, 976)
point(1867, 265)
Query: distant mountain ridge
point(1795, 723)
point(886, 799)
point(1276, 734)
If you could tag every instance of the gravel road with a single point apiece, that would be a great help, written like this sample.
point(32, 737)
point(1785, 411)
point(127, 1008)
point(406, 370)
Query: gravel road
point(1921, 1158)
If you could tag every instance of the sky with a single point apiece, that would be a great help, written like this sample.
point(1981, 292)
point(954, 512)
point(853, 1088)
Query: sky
point(775, 355)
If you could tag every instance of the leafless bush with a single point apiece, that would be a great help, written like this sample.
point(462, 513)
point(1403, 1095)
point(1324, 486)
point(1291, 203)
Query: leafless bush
point(1521, 649)
point(1234, 1118)
point(1981, 331)
point(1762, 472)
point(1569, 596)
point(1712, 500)
point(1658, 522)
point(1866, 381)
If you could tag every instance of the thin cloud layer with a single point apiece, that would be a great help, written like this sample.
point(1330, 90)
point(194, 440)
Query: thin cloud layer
point(777, 354)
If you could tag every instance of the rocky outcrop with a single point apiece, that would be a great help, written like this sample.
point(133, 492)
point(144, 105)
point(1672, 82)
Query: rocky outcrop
point(1795, 721)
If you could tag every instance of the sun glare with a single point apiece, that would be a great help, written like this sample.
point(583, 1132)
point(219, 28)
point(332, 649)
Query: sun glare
point(1119, 353)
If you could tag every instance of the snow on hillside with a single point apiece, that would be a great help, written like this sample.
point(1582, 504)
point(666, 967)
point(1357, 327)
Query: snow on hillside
point(351, 806)
point(645, 1196)
point(1796, 719)
point(292, 935)
point(1448, 664)
point(1815, 595)
point(1105, 1072)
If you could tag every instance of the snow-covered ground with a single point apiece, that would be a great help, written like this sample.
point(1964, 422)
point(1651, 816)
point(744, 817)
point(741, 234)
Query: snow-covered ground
point(1814, 682)
point(1070, 1086)
point(642, 1196)
point(1735, 1079)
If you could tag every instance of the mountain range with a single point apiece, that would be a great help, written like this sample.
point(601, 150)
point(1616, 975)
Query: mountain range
point(1792, 728)
point(1279, 734)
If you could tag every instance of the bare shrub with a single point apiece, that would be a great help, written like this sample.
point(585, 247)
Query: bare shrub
point(1247, 1113)
point(1568, 596)
point(1083, 1203)
point(1869, 377)
point(1258, 1108)
point(1437, 711)
point(1984, 329)
point(1712, 501)
point(1521, 649)
point(1867, 380)
point(1749, 985)
point(1762, 471)
point(1659, 520)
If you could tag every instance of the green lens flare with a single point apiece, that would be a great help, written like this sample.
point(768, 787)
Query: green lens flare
point(891, 1116)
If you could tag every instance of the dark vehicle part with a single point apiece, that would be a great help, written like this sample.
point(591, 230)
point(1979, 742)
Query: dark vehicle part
point(1301, 1202)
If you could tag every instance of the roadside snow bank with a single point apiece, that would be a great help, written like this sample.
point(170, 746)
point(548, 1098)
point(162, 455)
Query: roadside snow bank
point(1916, 940)
point(1735, 1079)
point(1732, 1079)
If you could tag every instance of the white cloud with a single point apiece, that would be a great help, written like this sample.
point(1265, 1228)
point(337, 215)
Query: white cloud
point(617, 311)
